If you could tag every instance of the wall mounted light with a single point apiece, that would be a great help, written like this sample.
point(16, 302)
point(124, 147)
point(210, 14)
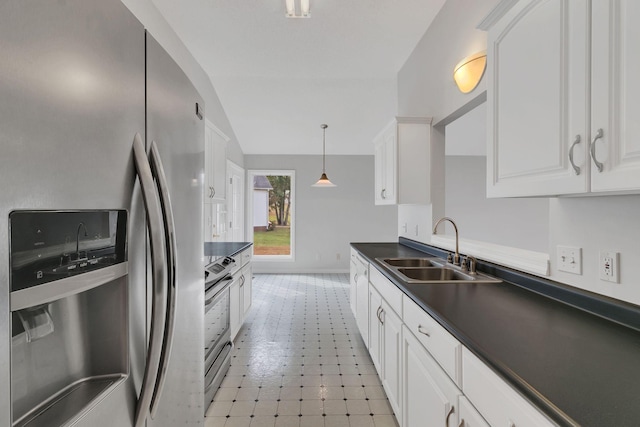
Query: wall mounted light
point(469, 71)
point(323, 181)
point(298, 8)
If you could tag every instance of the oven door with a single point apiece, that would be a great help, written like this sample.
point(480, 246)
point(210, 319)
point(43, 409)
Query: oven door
point(217, 342)
point(216, 318)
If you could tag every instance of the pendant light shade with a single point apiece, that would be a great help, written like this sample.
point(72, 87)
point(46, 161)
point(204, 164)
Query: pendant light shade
point(323, 181)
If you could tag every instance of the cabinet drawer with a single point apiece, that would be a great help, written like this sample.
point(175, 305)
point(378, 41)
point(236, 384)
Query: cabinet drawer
point(245, 257)
point(496, 401)
point(444, 348)
point(354, 254)
point(387, 289)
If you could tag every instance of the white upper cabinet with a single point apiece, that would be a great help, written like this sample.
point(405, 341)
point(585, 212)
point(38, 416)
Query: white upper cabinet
point(402, 157)
point(215, 164)
point(551, 87)
point(615, 100)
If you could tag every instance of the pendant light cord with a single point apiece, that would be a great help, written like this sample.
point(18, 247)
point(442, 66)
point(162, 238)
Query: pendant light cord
point(324, 131)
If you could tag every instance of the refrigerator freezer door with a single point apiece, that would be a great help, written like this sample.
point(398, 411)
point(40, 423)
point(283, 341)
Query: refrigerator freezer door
point(173, 125)
point(72, 96)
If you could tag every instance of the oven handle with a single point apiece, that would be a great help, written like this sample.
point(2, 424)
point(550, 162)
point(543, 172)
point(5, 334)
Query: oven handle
point(172, 267)
point(158, 277)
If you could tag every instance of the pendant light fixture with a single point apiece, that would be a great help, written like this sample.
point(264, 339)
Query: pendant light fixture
point(323, 181)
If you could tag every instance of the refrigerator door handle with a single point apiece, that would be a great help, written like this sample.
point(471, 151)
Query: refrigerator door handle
point(172, 265)
point(158, 252)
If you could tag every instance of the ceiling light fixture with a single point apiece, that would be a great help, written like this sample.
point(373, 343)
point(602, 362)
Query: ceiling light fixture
point(323, 181)
point(303, 8)
point(469, 71)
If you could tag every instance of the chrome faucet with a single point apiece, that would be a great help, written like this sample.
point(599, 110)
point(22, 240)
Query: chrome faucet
point(81, 225)
point(456, 258)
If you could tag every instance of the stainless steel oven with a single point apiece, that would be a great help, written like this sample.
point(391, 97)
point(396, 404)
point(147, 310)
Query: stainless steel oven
point(217, 333)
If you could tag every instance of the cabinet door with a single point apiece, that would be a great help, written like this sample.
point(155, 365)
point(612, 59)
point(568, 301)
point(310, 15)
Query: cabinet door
point(385, 151)
point(615, 102)
point(353, 279)
point(235, 307)
point(362, 302)
point(429, 396)
point(391, 357)
point(537, 93)
point(215, 165)
point(375, 329)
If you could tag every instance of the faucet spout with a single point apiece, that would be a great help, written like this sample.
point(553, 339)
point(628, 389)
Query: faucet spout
point(456, 258)
point(81, 225)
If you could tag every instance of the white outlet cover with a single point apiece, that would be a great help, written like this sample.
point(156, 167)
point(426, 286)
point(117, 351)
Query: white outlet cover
point(609, 266)
point(569, 259)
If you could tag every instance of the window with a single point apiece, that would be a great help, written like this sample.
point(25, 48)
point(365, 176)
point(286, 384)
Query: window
point(272, 206)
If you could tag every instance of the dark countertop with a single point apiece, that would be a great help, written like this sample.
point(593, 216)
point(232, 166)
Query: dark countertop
point(220, 249)
point(578, 368)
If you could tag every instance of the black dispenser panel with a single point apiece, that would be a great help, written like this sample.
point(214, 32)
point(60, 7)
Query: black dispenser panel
point(51, 245)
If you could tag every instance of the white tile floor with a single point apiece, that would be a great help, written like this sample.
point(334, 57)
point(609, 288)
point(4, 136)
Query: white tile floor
point(299, 361)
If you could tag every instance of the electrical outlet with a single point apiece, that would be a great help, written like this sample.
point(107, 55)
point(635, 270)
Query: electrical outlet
point(569, 259)
point(338, 256)
point(608, 266)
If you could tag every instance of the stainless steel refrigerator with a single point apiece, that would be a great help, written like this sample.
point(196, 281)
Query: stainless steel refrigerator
point(101, 263)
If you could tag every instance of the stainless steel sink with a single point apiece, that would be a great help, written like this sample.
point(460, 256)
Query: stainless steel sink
point(413, 262)
point(431, 270)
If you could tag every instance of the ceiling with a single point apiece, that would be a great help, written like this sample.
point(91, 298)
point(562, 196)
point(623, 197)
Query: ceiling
point(279, 79)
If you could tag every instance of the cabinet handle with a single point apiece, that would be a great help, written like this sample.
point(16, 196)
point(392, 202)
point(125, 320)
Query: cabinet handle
point(213, 194)
point(381, 315)
point(355, 278)
point(383, 193)
point(461, 423)
point(575, 142)
point(423, 331)
point(378, 314)
point(451, 411)
point(599, 134)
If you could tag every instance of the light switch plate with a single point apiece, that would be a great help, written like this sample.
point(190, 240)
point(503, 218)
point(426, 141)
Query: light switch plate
point(569, 259)
point(608, 266)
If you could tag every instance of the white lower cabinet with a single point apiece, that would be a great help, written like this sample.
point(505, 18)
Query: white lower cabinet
point(246, 286)
point(353, 279)
point(362, 299)
point(240, 292)
point(498, 403)
point(375, 329)
point(391, 358)
point(468, 416)
point(385, 347)
point(429, 377)
point(430, 397)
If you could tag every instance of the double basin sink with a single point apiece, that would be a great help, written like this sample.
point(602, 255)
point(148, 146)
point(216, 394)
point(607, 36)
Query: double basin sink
point(431, 270)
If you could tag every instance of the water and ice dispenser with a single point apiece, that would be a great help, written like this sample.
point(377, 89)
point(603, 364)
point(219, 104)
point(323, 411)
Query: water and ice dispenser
point(69, 312)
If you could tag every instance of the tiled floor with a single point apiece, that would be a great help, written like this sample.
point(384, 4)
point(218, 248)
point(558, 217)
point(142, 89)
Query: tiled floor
point(299, 361)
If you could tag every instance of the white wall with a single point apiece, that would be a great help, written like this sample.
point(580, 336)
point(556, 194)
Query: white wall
point(425, 87)
point(519, 223)
point(159, 28)
point(604, 223)
point(328, 219)
point(425, 82)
